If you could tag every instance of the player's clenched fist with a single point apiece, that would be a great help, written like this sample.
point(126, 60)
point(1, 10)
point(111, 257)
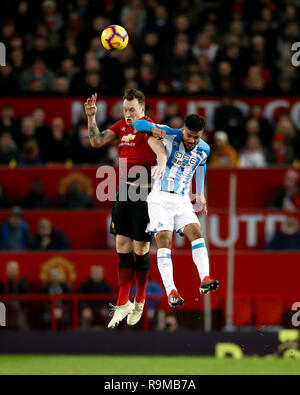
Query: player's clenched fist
point(90, 106)
point(159, 134)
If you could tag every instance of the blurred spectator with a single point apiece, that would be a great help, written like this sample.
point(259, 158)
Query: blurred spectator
point(41, 130)
point(75, 198)
point(286, 142)
point(261, 126)
point(171, 111)
point(36, 198)
point(57, 286)
point(253, 155)
point(48, 238)
point(84, 153)
point(61, 85)
point(8, 148)
point(31, 154)
point(37, 78)
point(8, 121)
point(8, 80)
point(57, 144)
point(255, 83)
point(288, 196)
point(95, 311)
point(223, 154)
point(14, 284)
point(287, 238)
point(5, 201)
point(28, 131)
point(228, 117)
point(167, 323)
point(14, 232)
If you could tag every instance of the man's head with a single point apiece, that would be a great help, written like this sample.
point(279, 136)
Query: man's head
point(54, 275)
point(291, 179)
point(221, 139)
point(97, 273)
point(44, 227)
point(133, 105)
point(193, 130)
point(12, 270)
point(16, 216)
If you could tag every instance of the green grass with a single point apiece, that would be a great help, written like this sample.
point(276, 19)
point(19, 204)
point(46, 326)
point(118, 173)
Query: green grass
point(131, 365)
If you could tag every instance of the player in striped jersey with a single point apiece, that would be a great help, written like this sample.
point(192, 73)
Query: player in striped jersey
point(169, 204)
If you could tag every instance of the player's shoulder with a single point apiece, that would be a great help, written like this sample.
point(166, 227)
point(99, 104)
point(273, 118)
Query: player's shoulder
point(121, 123)
point(203, 146)
point(146, 118)
point(117, 127)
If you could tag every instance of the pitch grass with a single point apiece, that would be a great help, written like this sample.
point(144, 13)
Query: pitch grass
point(143, 365)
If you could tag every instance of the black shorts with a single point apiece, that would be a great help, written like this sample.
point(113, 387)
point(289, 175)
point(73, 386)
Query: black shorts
point(130, 219)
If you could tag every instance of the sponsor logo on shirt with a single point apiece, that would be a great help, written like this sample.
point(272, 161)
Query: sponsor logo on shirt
point(128, 138)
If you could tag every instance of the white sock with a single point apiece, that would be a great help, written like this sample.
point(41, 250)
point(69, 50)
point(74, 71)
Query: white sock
point(165, 266)
point(200, 257)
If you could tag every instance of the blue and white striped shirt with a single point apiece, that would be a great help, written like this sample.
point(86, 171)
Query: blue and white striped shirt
point(181, 164)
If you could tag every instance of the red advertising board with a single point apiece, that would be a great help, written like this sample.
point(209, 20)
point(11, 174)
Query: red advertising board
point(255, 188)
point(90, 230)
point(71, 108)
point(259, 286)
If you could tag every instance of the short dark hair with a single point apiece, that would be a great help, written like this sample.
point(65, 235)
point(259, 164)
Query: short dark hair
point(131, 94)
point(194, 122)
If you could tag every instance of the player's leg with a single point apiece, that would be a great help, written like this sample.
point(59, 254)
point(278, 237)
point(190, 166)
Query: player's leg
point(194, 234)
point(124, 307)
point(142, 267)
point(162, 207)
point(165, 266)
point(141, 247)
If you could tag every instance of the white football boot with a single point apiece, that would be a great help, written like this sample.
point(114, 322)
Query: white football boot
point(136, 314)
point(119, 313)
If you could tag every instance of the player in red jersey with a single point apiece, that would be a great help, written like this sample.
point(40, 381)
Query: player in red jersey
point(130, 218)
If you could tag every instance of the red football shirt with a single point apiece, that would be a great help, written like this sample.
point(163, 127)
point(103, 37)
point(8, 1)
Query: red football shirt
point(133, 146)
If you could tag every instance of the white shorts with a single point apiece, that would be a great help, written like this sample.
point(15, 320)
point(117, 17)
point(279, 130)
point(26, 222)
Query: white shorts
point(170, 211)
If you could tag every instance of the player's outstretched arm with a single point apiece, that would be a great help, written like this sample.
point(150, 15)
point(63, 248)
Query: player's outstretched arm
point(159, 149)
point(97, 138)
point(200, 197)
point(155, 130)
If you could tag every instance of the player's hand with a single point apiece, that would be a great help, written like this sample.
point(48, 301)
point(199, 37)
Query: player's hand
point(158, 172)
point(201, 203)
point(90, 106)
point(159, 134)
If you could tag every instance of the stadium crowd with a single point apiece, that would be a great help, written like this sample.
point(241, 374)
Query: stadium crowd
point(215, 47)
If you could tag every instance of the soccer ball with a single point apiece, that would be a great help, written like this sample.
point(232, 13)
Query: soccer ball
point(114, 38)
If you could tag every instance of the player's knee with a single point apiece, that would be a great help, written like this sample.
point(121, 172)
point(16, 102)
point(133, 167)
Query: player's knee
point(126, 261)
point(142, 262)
point(164, 240)
point(193, 232)
point(123, 245)
point(141, 248)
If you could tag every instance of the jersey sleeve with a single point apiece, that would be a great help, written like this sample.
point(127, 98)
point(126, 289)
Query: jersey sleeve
point(145, 127)
point(200, 177)
point(116, 127)
point(201, 169)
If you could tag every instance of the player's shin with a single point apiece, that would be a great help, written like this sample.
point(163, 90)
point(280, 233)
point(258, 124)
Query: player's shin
point(165, 266)
point(126, 276)
point(200, 257)
point(142, 264)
